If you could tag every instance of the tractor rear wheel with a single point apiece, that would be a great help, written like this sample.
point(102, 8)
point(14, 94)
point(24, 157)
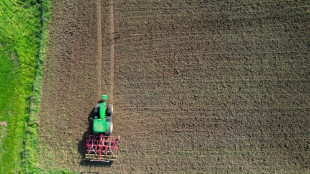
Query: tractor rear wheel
point(109, 110)
point(110, 129)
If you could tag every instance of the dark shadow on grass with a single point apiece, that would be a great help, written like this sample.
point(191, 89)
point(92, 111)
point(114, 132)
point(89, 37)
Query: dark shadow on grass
point(82, 146)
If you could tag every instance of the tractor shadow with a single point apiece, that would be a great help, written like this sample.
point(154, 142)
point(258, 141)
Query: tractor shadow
point(82, 145)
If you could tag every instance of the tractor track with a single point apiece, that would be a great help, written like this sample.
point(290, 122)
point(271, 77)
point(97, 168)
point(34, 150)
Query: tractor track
point(105, 50)
point(107, 71)
point(111, 4)
point(99, 45)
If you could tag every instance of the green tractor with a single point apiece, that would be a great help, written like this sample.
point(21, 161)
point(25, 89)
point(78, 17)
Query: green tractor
point(100, 145)
point(102, 122)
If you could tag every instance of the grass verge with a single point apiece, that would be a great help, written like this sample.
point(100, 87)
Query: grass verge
point(31, 138)
point(23, 36)
point(19, 31)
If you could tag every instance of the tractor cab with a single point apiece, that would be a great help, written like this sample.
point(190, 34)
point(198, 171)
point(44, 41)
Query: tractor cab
point(102, 123)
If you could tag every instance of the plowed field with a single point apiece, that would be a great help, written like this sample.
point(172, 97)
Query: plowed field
point(197, 86)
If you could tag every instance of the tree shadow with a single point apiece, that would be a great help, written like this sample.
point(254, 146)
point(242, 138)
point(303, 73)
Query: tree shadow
point(82, 145)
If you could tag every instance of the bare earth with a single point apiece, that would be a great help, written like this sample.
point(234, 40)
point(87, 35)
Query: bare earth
point(197, 86)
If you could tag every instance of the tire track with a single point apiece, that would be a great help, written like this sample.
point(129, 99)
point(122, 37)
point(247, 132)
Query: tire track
point(111, 49)
point(99, 45)
point(105, 50)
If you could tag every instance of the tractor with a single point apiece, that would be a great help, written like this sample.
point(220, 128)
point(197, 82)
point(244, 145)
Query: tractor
point(100, 145)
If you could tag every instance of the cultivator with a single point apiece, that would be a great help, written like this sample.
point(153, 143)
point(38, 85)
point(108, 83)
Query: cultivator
point(100, 145)
point(101, 148)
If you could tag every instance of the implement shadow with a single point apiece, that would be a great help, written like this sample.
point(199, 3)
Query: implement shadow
point(82, 146)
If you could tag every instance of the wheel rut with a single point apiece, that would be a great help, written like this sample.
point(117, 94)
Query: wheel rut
point(111, 49)
point(107, 41)
point(99, 46)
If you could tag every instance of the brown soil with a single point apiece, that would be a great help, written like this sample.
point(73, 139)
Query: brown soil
point(197, 87)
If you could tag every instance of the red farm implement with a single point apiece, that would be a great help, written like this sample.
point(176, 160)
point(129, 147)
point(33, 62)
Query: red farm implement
point(101, 148)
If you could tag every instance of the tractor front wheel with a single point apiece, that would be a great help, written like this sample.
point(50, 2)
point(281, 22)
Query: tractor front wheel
point(109, 110)
point(96, 109)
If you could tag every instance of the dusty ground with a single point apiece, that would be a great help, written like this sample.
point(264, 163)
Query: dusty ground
point(197, 86)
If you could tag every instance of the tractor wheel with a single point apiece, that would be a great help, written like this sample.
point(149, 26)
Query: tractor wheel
point(96, 109)
point(109, 110)
point(110, 129)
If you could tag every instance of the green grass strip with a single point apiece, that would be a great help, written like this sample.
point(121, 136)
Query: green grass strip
point(23, 36)
point(31, 139)
point(19, 31)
